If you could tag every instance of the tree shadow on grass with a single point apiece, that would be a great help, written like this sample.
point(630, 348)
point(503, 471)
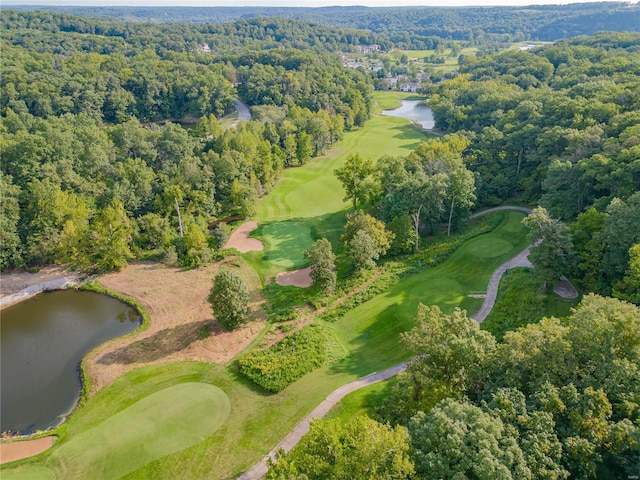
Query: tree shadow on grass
point(403, 132)
point(162, 344)
point(377, 347)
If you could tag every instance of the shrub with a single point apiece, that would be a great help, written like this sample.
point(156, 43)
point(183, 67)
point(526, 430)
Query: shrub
point(288, 360)
point(229, 299)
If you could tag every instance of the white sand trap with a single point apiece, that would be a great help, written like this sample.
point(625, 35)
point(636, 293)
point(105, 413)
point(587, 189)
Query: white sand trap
point(241, 241)
point(295, 278)
point(10, 452)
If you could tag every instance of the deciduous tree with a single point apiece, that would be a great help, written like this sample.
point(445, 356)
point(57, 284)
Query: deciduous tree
point(353, 176)
point(229, 299)
point(322, 263)
point(361, 449)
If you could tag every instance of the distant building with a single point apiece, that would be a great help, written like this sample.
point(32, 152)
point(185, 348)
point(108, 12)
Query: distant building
point(204, 48)
point(409, 87)
point(374, 47)
point(527, 47)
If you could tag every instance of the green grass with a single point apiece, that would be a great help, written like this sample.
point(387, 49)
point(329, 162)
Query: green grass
point(521, 300)
point(258, 420)
point(388, 100)
point(371, 331)
point(308, 201)
point(157, 425)
point(362, 402)
point(285, 243)
point(161, 424)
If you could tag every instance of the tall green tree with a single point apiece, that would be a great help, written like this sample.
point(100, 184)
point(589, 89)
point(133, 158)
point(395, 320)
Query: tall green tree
point(10, 244)
point(322, 263)
point(111, 237)
point(229, 299)
point(553, 252)
point(620, 232)
point(451, 357)
point(459, 440)
point(361, 449)
point(353, 176)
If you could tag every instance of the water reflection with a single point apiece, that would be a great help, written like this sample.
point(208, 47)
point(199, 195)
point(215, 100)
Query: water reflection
point(413, 110)
point(43, 341)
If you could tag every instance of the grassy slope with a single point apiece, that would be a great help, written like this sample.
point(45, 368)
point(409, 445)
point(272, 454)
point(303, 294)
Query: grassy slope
point(307, 203)
point(370, 333)
point(258, 421)
point(156, 425)
point(372, 330)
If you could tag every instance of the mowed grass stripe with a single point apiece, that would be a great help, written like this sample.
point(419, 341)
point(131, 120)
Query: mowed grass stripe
point(158, 425)
point(312, 193)
point(313, 190)
point(259, 420)
point(371, 331)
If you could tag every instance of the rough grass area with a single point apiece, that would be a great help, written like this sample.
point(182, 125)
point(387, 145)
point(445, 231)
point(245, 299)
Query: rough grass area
point(522, 300)
point(181, 325)
point(369, 336)
point(160, 424)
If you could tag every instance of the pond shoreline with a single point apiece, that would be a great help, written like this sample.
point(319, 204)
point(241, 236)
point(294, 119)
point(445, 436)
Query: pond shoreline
point(35, 289)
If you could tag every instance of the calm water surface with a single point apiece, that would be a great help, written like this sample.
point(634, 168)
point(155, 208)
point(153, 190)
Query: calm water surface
point(413, 110)
point(43, 341)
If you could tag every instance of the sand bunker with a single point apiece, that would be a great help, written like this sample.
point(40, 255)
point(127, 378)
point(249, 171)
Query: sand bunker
point(295, 278)
point(10, 452)
point(241, 241)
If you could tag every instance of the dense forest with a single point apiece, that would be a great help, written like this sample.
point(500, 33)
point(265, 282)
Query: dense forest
point(560, 126)
point(551, 401)
point(80, 156)
point(116, 144)
point(410, 27)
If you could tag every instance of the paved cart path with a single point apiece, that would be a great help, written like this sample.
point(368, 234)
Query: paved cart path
point(260, 469)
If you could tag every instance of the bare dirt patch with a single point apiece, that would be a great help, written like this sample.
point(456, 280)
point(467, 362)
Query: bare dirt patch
point(182, 326)
point(296, 278)
point(10, 452)
point(241, 241)
point(18, 286)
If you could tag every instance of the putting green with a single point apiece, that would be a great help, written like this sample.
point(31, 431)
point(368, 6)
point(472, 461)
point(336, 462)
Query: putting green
point(489, 247)
point(28, 472)
point(158, 425)
point(286, 242)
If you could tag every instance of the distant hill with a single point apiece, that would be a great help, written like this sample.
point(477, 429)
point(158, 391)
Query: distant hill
point(405, 26)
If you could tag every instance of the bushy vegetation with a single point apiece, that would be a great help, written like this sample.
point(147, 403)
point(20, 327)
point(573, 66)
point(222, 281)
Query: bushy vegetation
point(289, 359)
point(556, 397)
point(558, 126)
point(229, 299)
point(88, 181)
point(521, 301)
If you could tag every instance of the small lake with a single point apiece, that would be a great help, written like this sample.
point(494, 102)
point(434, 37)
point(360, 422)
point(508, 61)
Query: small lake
point(413, 110)
point(43, 341)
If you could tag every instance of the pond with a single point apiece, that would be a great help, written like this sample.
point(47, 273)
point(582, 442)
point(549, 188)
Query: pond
point(42, 343)
point(413, 110)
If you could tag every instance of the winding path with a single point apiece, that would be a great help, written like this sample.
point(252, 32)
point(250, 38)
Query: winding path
point(244, 115)
point(260, 469)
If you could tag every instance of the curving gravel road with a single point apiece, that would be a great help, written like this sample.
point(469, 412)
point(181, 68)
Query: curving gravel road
point(260, 469)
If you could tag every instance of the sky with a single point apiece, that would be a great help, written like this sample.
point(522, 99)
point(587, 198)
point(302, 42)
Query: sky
point(294, 3)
